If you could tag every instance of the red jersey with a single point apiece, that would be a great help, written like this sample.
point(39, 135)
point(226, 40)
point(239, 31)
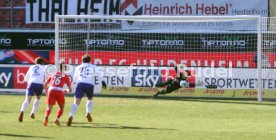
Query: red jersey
point(57, 81)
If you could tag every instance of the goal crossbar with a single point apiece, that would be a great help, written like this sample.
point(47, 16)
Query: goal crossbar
point(162, 18)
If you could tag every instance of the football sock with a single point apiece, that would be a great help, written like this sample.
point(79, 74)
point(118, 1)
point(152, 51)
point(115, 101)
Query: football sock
point(24, 105)
point(35, 106)
point(89, 106)
point(59, 113)
point(47, 112)
point(73, 109)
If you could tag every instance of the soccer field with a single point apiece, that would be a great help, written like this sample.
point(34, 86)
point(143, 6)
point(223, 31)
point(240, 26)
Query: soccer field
point(145, 118)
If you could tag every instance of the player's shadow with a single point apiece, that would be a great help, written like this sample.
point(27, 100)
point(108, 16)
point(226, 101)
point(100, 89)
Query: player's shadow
point(5, 111)
point(219, 100)
point(114, 126)
point(200, 99)
point(24, 136)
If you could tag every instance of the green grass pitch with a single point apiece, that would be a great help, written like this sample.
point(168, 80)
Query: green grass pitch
point(145, 119)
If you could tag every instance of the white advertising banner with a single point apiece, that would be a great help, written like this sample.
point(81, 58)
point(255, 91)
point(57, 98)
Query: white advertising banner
point(45, 11)
point(235, 78)
point(195, 8)
point(224, 78)
point(113, 76)
point(12, 76)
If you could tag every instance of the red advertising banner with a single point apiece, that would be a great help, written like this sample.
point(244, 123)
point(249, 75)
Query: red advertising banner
point(22, 56)
point(194, 59)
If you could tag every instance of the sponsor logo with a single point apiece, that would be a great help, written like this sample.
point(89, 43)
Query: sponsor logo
point(45, 41)
point(19, 76)
point(214, 92)
point(250, 93)
point(103, 43)
point(40, 42)
point(240, 82)
point(45, 11)
point(136, 13)
point(225, 43)
point(269, 44)
point(112, 80)
point(119, 89)
point(207, 59)
point(147, 90)
point(110, 40)
point(127, 3)
point(185, 90)
point(165, 43)
point(131, 5)
point(186, 9)
point(4, 41)
point(6, 77)
point(145, 77)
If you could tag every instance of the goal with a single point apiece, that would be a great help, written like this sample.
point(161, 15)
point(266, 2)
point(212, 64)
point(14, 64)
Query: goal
point(268, 56)
point(220, 50)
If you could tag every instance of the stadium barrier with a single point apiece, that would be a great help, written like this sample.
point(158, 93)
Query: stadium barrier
point(140, 82)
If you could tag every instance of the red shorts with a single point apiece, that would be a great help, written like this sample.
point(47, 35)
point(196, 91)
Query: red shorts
point(55, 95)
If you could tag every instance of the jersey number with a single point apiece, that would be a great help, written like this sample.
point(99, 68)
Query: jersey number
point(84, 72)
point(36, 69)
point(57, 80)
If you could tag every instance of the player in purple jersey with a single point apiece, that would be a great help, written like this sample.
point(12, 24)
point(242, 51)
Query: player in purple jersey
point(85, 87)
point(35, 78)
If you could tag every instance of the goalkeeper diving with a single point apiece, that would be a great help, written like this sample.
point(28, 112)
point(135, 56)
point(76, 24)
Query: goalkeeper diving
point(183, 79)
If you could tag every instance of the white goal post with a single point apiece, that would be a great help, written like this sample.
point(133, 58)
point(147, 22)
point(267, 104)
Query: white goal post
point(229, 43)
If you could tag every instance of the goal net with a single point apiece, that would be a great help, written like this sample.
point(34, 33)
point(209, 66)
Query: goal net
point(268, 56)
point(142, 51)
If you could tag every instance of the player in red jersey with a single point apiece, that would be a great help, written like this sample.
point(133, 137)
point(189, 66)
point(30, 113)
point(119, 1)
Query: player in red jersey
point(54, 87)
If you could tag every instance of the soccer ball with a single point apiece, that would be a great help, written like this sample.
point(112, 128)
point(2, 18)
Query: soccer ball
point(184, 83)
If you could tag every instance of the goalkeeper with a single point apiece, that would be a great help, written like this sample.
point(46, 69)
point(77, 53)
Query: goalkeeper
point(175, 84)
point(184, 79)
